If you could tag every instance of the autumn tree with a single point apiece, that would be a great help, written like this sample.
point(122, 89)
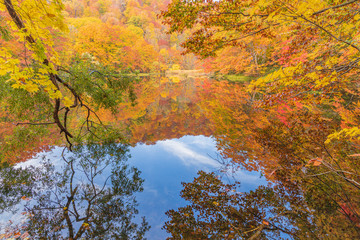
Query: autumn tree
point(315, 57)
point(115, 46)
point(314, 64)
point(48, 89)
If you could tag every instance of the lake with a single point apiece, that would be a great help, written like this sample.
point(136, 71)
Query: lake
point(197, 158)
point(171, 141)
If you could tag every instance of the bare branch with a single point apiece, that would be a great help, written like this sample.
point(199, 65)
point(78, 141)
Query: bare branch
point(334, 7)
point(24, 123)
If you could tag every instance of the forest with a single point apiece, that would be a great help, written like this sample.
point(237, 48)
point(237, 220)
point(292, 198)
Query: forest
point(274, 83)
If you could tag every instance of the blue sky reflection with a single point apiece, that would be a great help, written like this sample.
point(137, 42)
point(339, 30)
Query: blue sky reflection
point(164, 166)
point(168, 163)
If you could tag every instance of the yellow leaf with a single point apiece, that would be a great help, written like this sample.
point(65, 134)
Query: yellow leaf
point(31, 87)
point(56, 94)
point(164, 94)
point(43, 71)
point(86, 225)
point(67, 102)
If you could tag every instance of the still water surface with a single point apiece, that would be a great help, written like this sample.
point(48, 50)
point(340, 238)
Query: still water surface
point(168, 163)
point(177, 127)
point(163, 165)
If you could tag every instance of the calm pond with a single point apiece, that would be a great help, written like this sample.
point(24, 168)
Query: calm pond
point(178, 127)
point(163, 165)
point(171, 143)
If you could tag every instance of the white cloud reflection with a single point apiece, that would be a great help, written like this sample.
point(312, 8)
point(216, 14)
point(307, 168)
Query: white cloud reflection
point(188, 155)
point(197, 151)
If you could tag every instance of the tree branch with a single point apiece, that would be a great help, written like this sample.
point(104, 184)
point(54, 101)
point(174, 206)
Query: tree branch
point(23, 123)
point(334, 7)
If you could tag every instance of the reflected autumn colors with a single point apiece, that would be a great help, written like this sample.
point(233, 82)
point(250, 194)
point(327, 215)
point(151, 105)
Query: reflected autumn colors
point(313, 190)
point(165, 108)
point(288, 143)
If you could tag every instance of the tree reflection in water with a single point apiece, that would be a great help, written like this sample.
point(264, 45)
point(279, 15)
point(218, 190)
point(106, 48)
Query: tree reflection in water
point(90, 196)
point(315, 182)
point(219, 211)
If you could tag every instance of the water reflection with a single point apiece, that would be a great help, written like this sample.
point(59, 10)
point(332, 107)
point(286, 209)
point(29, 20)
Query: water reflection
point(314, 189)
point(288, 141)
point(86, 194)
point(50, 187)
point(164, 168)
point(218, 210)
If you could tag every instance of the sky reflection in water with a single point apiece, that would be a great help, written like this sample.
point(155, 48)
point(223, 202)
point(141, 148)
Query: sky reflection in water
point(168, 163)
point(164, 166)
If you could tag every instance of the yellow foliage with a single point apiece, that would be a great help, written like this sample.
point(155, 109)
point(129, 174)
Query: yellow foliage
point(351, 133)
point(67, 102)
point(175, 67)
point(39, 19)
point(174, 79)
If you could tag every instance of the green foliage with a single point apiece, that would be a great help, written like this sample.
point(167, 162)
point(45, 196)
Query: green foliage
point(22, 105)
point(4, 32)
point(237, 78)
point(100, 86)
point(137, 21)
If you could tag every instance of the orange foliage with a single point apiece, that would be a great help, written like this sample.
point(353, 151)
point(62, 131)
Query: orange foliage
point(114, 45)
point(163, 110)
